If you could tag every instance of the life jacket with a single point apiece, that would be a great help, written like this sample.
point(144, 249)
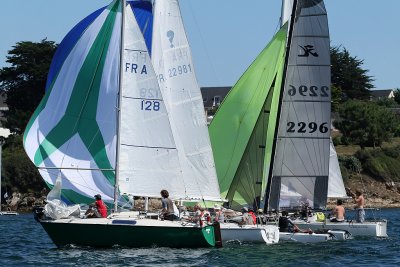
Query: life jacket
point(102, 208)
point(253, 216)
point(320, 217)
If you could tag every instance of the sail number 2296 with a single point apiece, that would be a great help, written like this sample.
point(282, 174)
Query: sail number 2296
point(302, 127)
point(312, 91)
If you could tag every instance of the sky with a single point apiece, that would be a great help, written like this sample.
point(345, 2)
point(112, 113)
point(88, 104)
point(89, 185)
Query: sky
point(227, 35)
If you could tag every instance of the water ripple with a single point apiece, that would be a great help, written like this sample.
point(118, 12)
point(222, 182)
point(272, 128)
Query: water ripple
point(24, 243)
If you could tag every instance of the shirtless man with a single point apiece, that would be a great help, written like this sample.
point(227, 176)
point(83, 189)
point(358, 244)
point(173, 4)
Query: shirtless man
point(338, 212)
point(360, 202)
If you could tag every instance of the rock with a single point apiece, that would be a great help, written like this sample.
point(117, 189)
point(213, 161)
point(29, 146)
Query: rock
point(15, 202)
point(390, 185)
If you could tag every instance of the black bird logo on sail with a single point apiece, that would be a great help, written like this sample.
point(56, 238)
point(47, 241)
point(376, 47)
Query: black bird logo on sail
point(308, 50)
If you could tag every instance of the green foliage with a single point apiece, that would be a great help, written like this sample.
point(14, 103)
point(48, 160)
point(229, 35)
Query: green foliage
point(366, 123)
point(18, 172)
point(351, 163)
point(386, 102)
point(336, 140)
point(337, 97)
point(348, 74)
point(381, 163)
point(24, 82)
point(397, 95)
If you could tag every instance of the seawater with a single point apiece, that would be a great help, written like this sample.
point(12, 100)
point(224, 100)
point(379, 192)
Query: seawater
point(23, 242)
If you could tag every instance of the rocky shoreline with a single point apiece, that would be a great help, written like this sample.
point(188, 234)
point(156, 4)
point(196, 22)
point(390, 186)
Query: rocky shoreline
point(24, 203)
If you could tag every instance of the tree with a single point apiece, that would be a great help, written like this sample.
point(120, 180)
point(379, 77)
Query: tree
point(24, 82)
point(366, 123)
point(19, 173)
point(397, 95)
point(348, 75)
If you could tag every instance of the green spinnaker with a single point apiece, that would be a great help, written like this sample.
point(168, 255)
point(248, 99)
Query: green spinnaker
point(243, 128)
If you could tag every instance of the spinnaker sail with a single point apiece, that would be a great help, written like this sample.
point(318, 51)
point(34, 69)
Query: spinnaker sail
point(242, 130)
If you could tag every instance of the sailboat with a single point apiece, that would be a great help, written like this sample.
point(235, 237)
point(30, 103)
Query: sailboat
point(5, 195)
point(336, 189)
point(104, 127)
point(270, 136)
point(173, 64)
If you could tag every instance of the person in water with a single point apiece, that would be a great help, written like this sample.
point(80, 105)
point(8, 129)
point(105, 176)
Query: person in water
point(167, 212)
point(97, 209)
point(360, 202)
point(338, 212)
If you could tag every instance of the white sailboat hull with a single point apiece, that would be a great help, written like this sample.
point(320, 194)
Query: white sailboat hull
point(304, 237)
point(338, 235)
point(268, 234)
point(368, 228)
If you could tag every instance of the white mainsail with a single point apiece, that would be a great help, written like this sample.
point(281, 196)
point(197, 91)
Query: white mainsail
point(302, 147)
point(173, 64)
point(148, 156)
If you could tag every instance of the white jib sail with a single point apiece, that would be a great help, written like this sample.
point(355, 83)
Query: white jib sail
point(336, 186)
point(173, 64)
point(148, 155)
point(302, 148)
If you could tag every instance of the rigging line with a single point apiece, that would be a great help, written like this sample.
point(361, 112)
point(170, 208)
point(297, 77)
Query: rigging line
point(204, 44)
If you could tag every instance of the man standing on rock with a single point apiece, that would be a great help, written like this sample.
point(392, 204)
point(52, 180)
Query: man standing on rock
point(360, 202)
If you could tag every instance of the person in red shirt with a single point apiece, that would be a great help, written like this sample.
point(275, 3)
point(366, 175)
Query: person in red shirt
point(98, 209)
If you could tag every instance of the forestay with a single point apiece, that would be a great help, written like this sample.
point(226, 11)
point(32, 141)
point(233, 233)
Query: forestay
point(302, 147)
point(173, 64)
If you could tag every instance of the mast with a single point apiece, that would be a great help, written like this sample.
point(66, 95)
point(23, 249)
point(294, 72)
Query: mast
point(291, 25)
point(287, 7)
point(119, 106)
point(1, 148)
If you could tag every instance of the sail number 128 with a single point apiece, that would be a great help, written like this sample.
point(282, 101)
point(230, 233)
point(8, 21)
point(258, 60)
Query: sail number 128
point(150, 105)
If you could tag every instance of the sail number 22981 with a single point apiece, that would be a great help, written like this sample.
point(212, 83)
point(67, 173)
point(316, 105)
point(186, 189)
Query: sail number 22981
point(183, 69)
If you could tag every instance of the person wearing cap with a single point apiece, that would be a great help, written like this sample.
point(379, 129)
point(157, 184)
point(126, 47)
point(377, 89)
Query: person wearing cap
point(98, 209)
point(219, 214)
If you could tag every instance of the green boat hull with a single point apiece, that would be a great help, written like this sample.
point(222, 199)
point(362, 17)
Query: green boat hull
point(108, 235)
